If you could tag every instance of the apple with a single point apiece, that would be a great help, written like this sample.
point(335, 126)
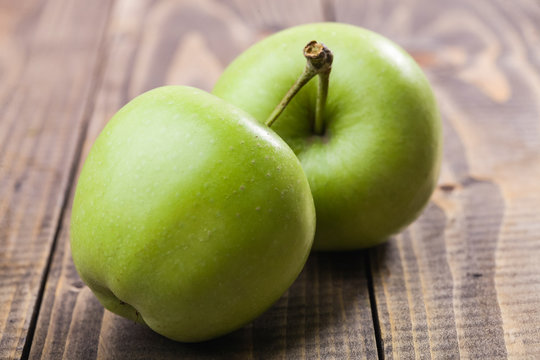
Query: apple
point(189, 216)
point(375, 162)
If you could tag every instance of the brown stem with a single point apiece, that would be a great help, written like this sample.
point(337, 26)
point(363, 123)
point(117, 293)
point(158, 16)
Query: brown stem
point(319, 62)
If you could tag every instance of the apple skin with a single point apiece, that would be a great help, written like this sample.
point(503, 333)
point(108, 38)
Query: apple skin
point(189, 216)
point(376, 166)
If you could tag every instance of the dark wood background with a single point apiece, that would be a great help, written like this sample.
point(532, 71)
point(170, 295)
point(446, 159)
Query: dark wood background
point(462, 281)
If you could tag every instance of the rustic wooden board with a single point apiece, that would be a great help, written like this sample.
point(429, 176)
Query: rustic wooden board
point(461, 282)
point(49, 52)
point(464, 280)
point(325, 314)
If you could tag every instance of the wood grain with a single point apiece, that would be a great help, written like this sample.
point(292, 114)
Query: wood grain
point(48, 56)
point(463, 281)
point(325, 314)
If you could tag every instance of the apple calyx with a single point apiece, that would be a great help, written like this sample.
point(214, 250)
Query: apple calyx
point(319, 62)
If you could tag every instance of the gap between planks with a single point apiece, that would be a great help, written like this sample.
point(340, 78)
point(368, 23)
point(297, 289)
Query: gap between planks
point(101, 60)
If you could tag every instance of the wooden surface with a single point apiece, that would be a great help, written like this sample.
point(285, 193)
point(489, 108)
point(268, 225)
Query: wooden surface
point(461, 282)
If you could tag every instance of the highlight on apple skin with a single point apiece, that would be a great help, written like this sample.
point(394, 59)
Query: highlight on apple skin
point(189, 216)
point(376, 162)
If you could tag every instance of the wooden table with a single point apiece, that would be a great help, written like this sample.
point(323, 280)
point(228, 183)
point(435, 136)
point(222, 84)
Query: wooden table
point(462, 281)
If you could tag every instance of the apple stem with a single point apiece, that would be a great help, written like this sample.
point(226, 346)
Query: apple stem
point(319, 62)
point(307, 75)
point(322, 94)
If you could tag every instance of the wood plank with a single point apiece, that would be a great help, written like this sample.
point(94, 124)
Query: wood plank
point(464, 280)
point(325, 314)
point(48, 59)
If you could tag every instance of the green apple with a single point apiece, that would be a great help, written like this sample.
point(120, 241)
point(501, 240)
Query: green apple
point(189, 216)
point(373, 167)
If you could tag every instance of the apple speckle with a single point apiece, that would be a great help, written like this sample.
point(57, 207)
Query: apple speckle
point(258, 208)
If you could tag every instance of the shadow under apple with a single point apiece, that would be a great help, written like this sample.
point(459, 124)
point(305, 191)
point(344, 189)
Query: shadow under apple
point(326, 312)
